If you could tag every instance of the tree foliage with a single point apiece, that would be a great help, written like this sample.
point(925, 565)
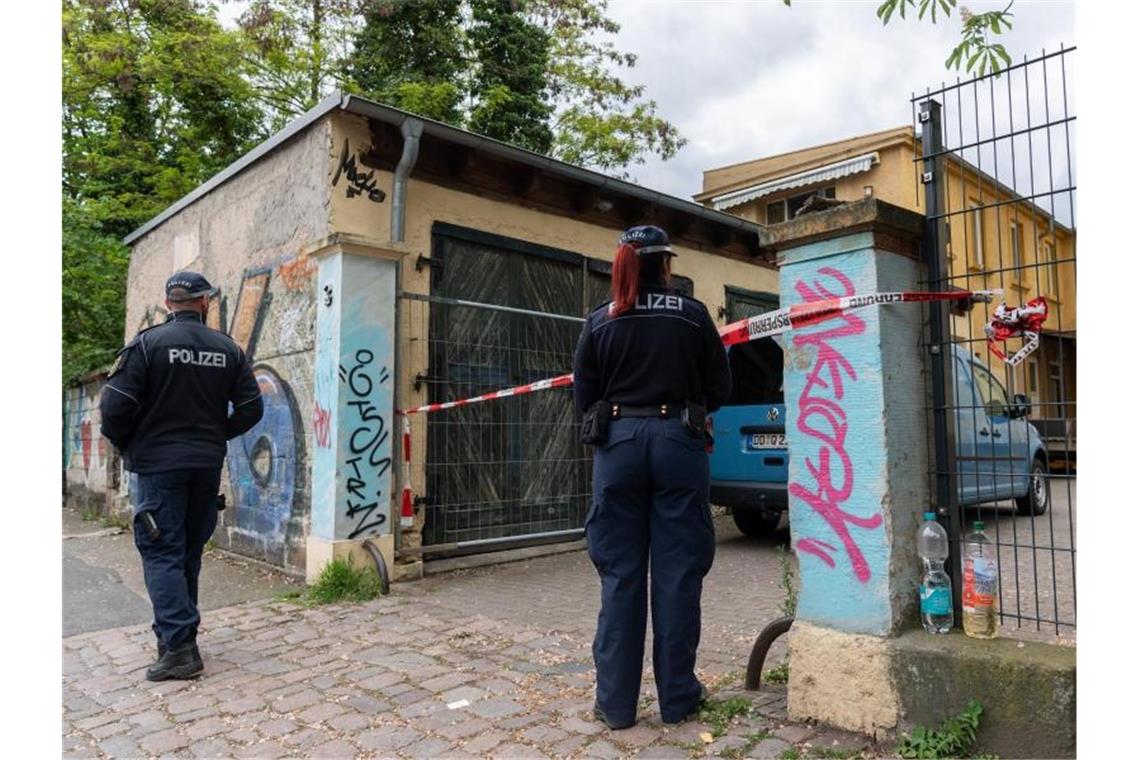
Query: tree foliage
point(409, 54)
point(155, 101)
point(542, 74)
point(510, 80)
point(298, 51)
point(976, 49)
point(158, 97)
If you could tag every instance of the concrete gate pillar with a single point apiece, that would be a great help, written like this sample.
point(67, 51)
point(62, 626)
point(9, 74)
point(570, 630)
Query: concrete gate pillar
point(354, 426)
point(858, 471)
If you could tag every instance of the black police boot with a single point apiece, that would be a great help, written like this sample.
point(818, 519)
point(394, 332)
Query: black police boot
point(612, 725)
point(162, 649)
point(181, 662)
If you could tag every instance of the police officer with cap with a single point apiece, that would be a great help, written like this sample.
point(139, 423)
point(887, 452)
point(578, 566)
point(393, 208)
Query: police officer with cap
point(649, 366)
point(175, 395)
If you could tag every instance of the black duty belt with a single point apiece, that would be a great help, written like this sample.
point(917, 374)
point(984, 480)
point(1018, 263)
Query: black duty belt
point(659, 410)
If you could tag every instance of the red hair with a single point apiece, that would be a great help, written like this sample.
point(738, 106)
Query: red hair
point(624, 280)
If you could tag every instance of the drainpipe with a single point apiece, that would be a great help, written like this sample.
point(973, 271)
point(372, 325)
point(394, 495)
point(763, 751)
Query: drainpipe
point(411, 129)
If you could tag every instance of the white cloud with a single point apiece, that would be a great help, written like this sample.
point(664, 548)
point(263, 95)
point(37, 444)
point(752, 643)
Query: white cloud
point(747, 79)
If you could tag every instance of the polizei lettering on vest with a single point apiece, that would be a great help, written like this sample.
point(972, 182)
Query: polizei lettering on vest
point(197, 358)
point(658, 301)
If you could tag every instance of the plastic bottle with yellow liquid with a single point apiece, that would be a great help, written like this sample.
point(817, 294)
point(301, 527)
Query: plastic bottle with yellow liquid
point(979, 584)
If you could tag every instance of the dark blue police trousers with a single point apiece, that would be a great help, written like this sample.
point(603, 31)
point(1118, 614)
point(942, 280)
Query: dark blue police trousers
point(183, 504)
point(650, 513)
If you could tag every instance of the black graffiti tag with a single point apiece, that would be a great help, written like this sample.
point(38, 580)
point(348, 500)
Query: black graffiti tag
point(369, 433)
point(358, 181)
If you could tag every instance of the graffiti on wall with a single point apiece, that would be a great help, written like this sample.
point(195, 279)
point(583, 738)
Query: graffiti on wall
point(86, 450)
point(822, 417)
point(365, 463)
point(264, 464)
point(357, 182)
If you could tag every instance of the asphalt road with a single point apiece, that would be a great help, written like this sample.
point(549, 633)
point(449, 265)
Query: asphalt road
point(103, 582)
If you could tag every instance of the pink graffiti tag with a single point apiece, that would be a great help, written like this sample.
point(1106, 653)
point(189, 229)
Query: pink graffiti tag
point(322, 419)
point(823, 418)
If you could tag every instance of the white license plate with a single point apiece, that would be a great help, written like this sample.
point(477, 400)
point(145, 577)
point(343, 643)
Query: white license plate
point(768, 441)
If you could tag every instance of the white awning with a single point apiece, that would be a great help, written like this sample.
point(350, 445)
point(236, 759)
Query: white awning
point(844, 168)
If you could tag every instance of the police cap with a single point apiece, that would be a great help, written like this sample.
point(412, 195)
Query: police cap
point(647, 238)
point(185, 286)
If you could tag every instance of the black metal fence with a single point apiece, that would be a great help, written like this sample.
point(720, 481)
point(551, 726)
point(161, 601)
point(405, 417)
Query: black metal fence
point(997, 172)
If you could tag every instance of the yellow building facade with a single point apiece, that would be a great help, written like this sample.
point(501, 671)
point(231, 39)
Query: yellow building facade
point(997, 240)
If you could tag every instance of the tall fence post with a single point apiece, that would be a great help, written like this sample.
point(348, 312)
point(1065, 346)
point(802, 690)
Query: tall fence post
point(858, 475)
point(934, 248)
point(354, 423)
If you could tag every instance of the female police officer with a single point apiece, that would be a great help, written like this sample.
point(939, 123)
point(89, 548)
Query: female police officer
point(649, 364)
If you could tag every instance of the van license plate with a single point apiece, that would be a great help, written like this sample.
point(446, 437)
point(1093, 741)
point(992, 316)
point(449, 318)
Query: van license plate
point(768, 441)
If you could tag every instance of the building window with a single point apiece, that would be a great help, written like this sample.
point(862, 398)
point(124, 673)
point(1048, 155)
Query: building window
point(1032, 369)
point(1055, 394)
point(786, 208)
point(776, 212)
point(1015, 234)
point(977, 244)
point(1051, 268)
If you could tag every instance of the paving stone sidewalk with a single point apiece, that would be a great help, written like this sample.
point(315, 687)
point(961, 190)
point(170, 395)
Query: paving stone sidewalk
point(492, 663)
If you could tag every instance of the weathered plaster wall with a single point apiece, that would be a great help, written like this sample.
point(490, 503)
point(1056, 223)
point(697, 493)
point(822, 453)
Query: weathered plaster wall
point(427, 203)
point(247, 237)
point(90, 464)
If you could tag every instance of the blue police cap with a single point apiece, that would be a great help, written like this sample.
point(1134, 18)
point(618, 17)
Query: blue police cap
point(647, 238)
point(184, 286)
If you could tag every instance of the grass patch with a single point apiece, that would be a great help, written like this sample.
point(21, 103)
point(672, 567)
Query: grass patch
point(90, 515)
point(954, 738)
point(776, 675)
point(791, 753)
point(339, 581)
point(718, 713)
point(833, 753)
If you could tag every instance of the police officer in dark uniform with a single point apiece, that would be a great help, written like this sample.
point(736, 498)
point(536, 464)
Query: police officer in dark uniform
point(649, 365)
point(176, 394)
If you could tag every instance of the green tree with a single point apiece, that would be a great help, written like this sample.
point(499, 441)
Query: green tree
point(510, 86)
point(409, 54)
point(476, 64)
point(155, 101)
point(298, 51)
point(600, 120)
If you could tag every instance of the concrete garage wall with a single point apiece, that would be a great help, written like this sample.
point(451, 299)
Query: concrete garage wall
point(247, 237)
point(354, 214)
point(90, 465)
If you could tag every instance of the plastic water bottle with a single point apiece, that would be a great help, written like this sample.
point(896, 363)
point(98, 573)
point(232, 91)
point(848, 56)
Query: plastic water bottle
point(934, 590)
point(979, 585)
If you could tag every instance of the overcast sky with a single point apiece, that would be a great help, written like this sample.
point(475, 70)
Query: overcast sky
point(749, 78)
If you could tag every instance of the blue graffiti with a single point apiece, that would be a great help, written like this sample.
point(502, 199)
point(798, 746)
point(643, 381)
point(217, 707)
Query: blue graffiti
point(263, 466)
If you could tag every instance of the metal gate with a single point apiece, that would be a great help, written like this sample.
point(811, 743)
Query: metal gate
point(501, 313)
point(996, 173)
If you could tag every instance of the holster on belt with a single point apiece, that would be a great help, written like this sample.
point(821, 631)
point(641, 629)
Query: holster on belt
point(596, 422)
point(694, 416)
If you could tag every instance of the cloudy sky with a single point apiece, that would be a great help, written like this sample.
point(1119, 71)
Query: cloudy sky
point(748, 79)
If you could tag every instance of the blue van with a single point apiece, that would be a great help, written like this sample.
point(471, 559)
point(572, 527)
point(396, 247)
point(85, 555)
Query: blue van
point(1000, 455)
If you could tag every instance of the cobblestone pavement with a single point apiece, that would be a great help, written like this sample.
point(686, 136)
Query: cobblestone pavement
point(492, 662)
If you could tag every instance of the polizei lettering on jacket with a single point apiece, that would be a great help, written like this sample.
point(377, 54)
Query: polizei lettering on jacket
point(197, 358)
point(658, 301)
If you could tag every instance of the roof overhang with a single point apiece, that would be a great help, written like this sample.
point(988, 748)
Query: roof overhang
point(725, 223)
point(844, 168)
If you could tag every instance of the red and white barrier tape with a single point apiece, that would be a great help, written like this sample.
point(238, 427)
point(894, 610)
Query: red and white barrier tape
point(753, 328)
point(804, 314)
point(1020, 321)
point(406, 512)
point(551, 382)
